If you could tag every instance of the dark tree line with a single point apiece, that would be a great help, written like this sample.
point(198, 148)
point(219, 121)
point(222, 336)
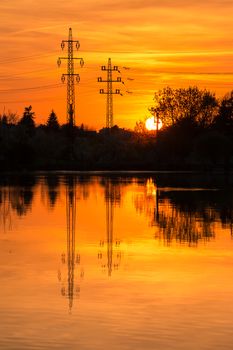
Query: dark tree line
point(196, 135)
point(198, 129)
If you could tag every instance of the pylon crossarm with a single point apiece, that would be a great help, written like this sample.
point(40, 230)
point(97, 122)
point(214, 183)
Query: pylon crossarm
point(109, 81)
point(67, 58)
point(70, 41)
point(111, 93)
point(110, 69)
point(75, 74)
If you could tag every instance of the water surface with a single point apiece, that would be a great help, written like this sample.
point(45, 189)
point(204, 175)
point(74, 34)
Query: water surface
point(116, 262)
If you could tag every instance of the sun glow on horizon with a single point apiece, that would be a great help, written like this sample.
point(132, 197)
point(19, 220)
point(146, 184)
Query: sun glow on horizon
point(151, 124)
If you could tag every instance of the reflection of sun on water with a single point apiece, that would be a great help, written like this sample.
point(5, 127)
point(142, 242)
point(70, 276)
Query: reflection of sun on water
point(151, 124)
point(150, 187)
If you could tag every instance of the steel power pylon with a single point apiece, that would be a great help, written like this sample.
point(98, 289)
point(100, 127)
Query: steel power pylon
point(70, 75)
point(109, 108)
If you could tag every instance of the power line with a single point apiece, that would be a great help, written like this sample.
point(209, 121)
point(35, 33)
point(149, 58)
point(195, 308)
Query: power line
point(4, 77)
point(194, 73)
point(26, 58)
point(32, 100)
point(51, 86)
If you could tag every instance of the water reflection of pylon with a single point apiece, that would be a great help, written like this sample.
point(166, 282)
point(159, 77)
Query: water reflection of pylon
point(72, 259)
point(113, 261)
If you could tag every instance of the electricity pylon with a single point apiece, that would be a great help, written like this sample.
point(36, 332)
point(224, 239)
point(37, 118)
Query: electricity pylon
point(71, 75)
point(110, 92)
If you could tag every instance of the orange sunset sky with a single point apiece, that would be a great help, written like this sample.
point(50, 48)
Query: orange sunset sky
point(164, 42)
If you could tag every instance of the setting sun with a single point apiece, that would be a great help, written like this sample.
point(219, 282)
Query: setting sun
point(151, 124)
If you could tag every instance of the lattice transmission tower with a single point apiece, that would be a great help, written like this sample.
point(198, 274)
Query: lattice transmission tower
point(109, 107)
point(70, 76)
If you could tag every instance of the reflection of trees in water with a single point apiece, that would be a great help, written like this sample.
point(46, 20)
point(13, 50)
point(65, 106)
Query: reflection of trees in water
point(21, 200)
point(174, 224)
point(185, 215)
point(226, 210)
point(5, 209)
point(52, 186)
point(83, 188)
point(113, 188)
point(209, 206)
point(16, 196)
point(82, 184)
point(182, 215)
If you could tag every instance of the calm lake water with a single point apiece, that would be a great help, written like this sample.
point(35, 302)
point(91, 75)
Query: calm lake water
point(116, 262)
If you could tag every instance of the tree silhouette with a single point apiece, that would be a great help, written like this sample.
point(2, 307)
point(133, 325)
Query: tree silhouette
point(9, 118)
point(224, 120)
point(27, 119)
point(52, 122)
point(174, 105)
point(140, 127)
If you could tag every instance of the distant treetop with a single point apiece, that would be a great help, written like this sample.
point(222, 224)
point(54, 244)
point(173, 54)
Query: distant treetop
point(52, 122)
point(27, 119)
